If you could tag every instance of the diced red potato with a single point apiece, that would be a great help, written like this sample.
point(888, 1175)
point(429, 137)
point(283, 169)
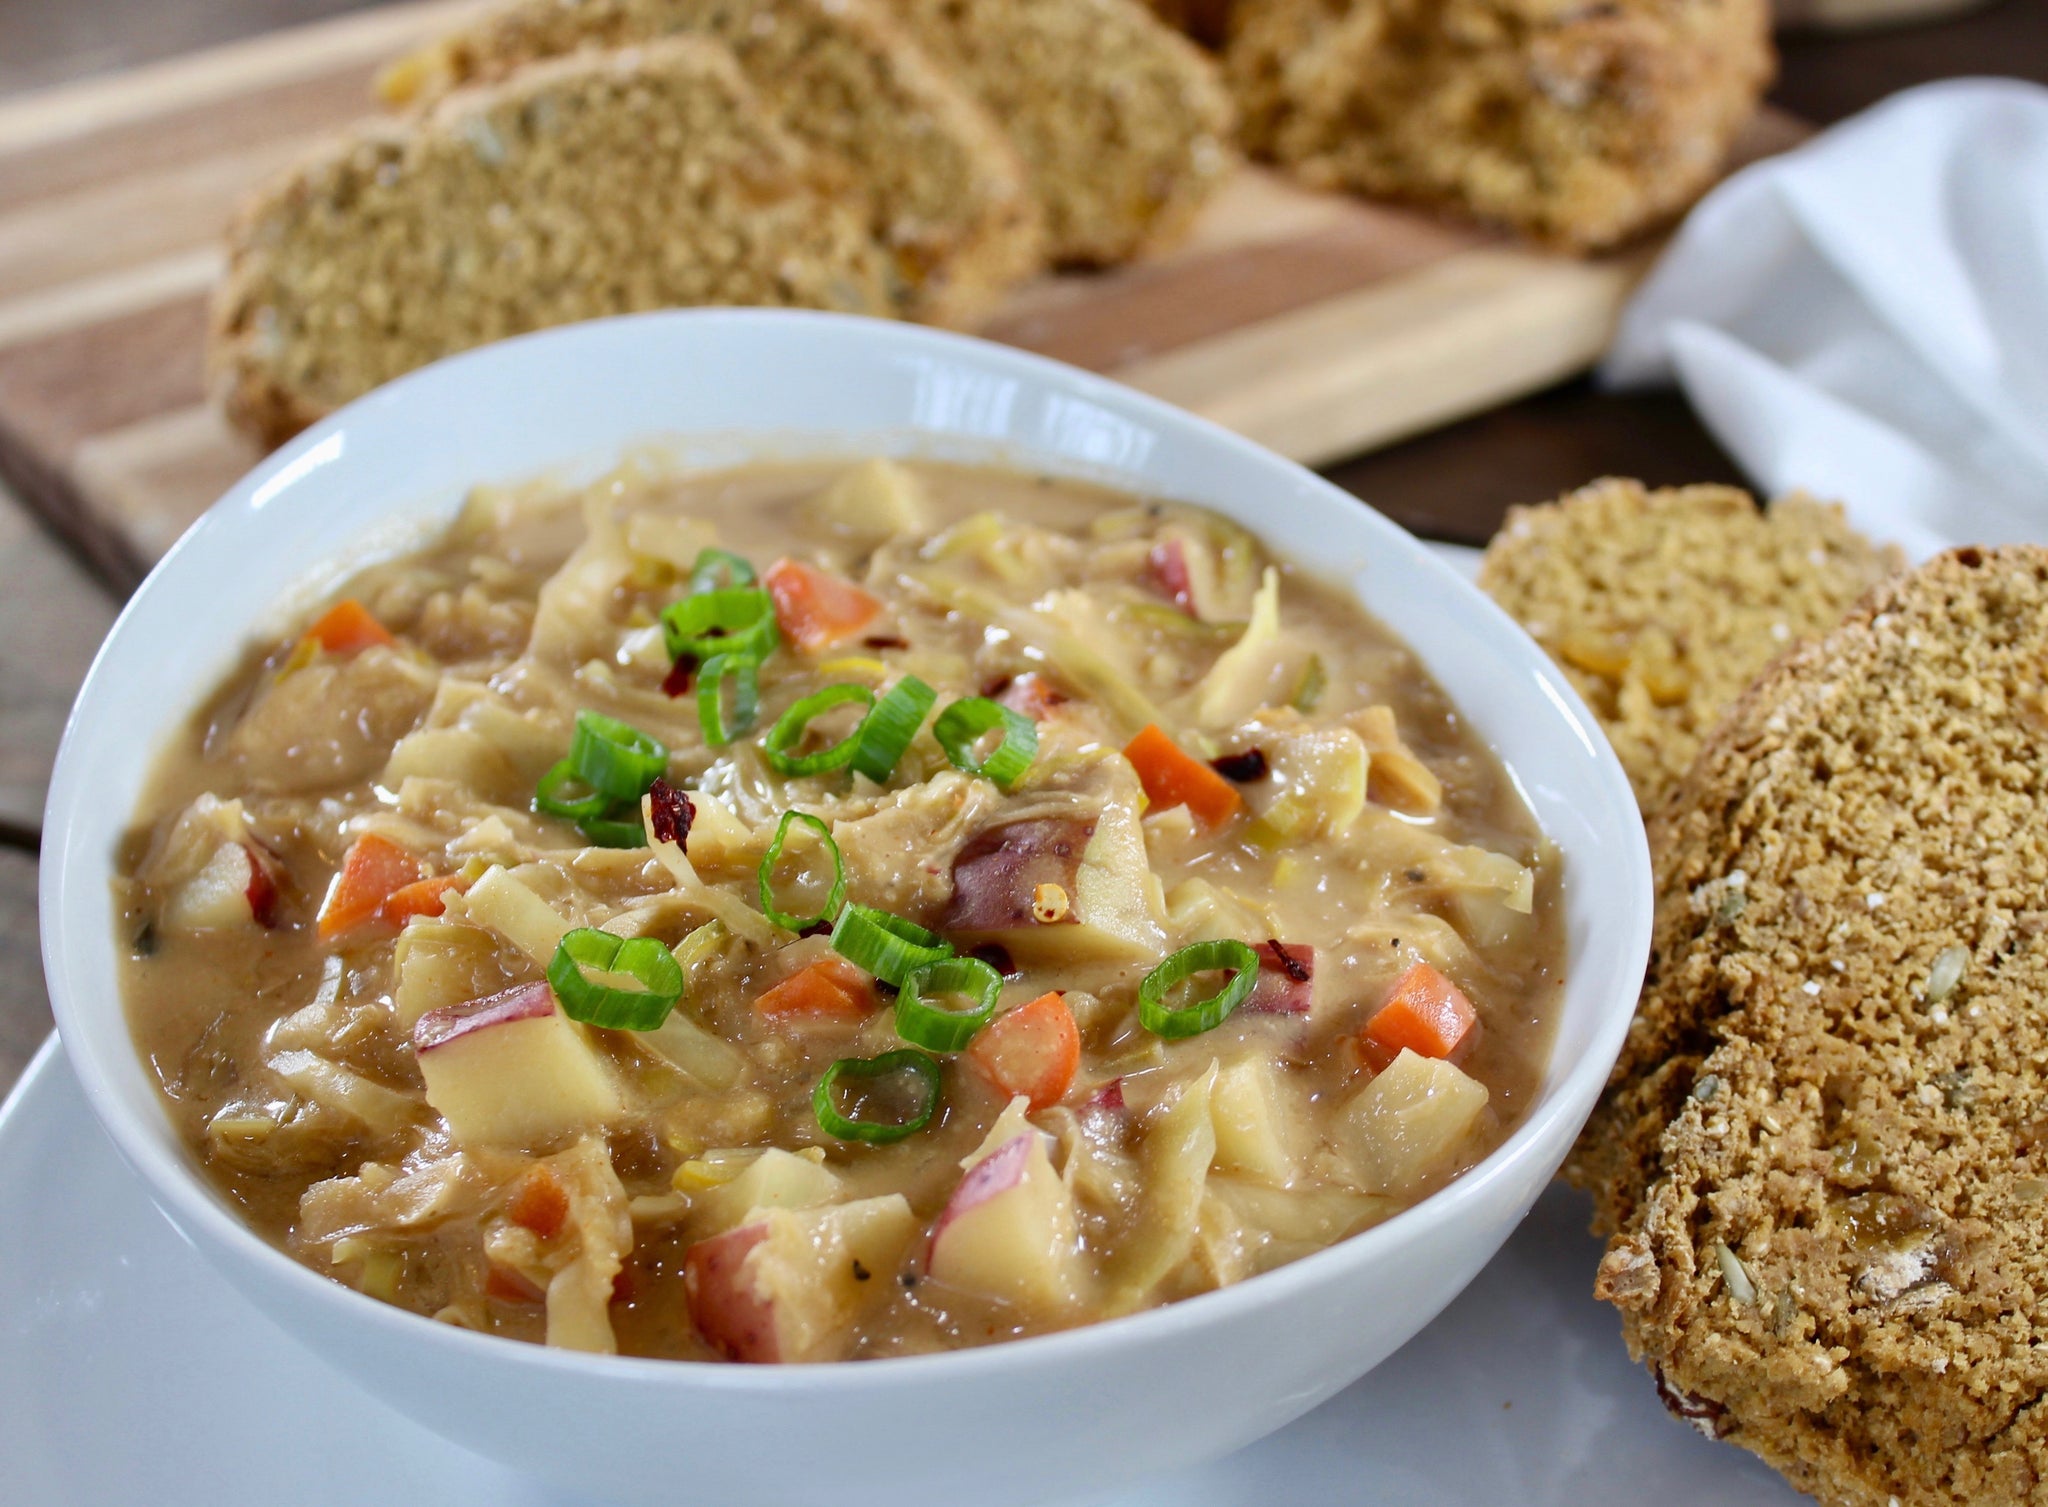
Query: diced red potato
point(1031, 1052)
point(1257, 1122)
point(787, 1286)
point(235, 887)
point(776, 1179)
point(1424, 1013)
point(1099, 863)
point(1009, 1231)
point(1410, 1124)
point(1286, 981)
point(511, 1069)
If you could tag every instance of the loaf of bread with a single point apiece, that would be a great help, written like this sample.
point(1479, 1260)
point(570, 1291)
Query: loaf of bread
point(1579, 125)
point(1662, 606)
point(940, 184)
point(1123, 124)
point(1823, 1155)
point(599, 184)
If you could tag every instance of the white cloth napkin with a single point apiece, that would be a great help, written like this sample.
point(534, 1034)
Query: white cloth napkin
point(1866, 317)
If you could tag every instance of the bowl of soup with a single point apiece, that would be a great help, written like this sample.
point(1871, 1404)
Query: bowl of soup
point(758, 905)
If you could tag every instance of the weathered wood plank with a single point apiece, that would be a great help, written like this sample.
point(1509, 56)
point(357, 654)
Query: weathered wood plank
point(52, 618)
point(24, 1006)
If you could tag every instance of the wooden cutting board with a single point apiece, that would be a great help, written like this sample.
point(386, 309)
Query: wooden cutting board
point(1317, 324)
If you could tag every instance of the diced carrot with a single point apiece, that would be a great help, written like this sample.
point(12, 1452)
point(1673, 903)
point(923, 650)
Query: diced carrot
point(1173, 777)
point(1032, 1050)
point(423, 897)
point(374, 868)
point(827, 991)
point(1426, 1013)
point(540, 1203)
point(816, 609)
point(1033, 695)
point(508, 1286)
point(348, 626)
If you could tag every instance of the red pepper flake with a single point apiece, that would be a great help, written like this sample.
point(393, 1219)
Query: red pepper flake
point(1242, 768)
point(996, 956)
point(261, 890)
point(885, 641)
point(1290, 965)
point(671, 811)
point(681, 678)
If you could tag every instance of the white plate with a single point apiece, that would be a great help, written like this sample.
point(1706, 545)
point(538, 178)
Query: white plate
point(132, 1372)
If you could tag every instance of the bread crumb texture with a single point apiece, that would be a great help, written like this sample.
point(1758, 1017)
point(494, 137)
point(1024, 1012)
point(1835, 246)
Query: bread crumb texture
point(1661, 606)
point(1823, 1156)
point(940, 185)
point(1579, 124)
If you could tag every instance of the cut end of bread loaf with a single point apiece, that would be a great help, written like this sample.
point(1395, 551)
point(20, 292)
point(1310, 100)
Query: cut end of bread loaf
point(1823, 1157)
point(1577, 125)
point(939, 183)
point(600, 184)
point(1661, 606)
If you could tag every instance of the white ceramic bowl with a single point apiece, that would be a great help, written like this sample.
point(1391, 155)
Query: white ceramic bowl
point(1037, 1420)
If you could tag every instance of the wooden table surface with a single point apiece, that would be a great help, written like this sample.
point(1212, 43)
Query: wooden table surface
point(1451, 484)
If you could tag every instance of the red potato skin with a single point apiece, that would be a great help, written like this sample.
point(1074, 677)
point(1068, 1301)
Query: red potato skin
point(738, 1324)
point(1169, 566)
point(1286, 981)
point(996, 1173)
point(262, 888)
point(999, 868)
point(437, 1028)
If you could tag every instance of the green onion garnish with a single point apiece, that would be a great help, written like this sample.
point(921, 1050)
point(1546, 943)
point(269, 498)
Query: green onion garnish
point(924, 1069)
point(620, 827)
point(889, 947)
point(618, 963)
point(564, 792)
point(717, 569)
point(789, 729)
point(1162, 1019)
point(924, 1023)
point(612, 757)
point(773, 856)
point(890, 727)
point(745, 675)
point(963, 724)
point(739, 620)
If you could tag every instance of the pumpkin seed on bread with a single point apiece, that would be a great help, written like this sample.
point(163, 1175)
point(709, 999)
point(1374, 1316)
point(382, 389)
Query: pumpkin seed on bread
point(1661, 606)
point(601, 184)
point(940, 184)
point(1823, 1155)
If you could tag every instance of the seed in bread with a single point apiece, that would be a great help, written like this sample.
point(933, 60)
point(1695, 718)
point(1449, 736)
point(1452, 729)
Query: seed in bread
point(1661, 606)
point(1824, 1154)
point(941, 185)
point(1123, 123)
point(1579, 125)
point(602, 184)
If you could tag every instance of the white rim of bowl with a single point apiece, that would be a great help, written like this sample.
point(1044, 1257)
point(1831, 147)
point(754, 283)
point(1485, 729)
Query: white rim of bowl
point(171, 1180)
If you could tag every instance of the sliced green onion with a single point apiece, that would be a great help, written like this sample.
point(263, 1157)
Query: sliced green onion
point(890, 727)
point(739, 620)
point(615, 758)
point(706, 574)
point(789, 729)
point(934, 1027)
point(825, 1103)
point(609, 999)
point(773, 856)
point(620, 827)
point(557, 794)
point(889, 947)
point(745, 675)
point(963, 723)
point(1162, 1019)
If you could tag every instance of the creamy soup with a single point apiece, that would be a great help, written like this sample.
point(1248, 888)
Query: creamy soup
point(819, 912)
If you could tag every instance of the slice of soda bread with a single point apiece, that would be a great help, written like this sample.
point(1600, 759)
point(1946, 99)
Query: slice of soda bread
point(1661, 606)
point(1823, 1156)
point(601, 184)
point(1123, 123)
point(940, 183)
point(1577, 124)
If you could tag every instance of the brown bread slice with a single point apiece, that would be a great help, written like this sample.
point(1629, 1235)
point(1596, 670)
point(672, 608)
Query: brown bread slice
point(1578, 124)
point(602, 184)
point(941, 185)
point(1123, 123)
point(1661, 606)
point(1823, 1156)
